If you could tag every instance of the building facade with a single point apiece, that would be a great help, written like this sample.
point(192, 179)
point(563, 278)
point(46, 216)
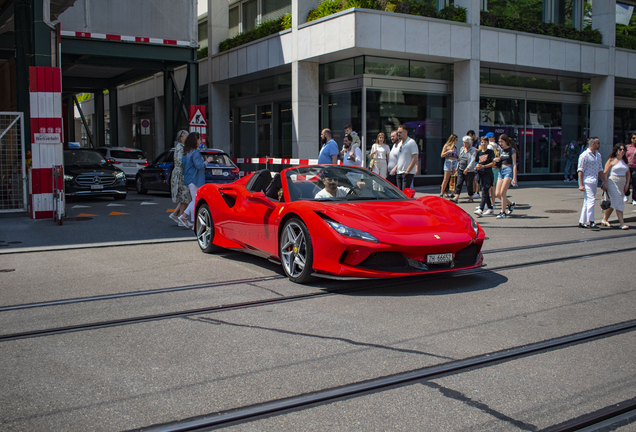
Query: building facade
point(376, 69)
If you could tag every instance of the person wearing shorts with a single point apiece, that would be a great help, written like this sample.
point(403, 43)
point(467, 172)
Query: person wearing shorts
point(507, 161)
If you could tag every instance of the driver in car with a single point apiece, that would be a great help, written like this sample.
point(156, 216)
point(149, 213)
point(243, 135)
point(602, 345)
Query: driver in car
point(332, 190)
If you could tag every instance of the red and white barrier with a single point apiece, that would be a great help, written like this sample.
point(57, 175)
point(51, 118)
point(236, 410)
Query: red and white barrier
point(124, 38)
point(273, 161)
point(45, 87)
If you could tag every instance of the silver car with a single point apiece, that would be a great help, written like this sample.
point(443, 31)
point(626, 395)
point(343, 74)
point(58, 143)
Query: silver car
point(129, 160)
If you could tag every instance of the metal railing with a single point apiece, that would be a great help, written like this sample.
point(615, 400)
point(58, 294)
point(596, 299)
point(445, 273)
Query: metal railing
point(13, 179)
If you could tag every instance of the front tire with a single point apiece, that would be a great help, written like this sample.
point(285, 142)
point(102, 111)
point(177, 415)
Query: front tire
point(204, 230)
point(139, 186)
point(296, 252)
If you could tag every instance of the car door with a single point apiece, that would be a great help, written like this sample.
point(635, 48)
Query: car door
point(259, 220)
point(152, 175)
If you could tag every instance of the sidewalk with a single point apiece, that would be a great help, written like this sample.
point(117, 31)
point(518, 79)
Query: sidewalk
point(548, 204)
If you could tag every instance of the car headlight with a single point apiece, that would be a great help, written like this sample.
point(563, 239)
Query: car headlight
point(68, 177)
point(346, 231)
point(121, 175)
point(475, 225)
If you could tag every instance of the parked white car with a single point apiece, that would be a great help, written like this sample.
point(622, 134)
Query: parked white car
point(129, 160)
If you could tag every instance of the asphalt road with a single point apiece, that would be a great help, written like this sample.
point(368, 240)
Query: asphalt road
point(154, 372)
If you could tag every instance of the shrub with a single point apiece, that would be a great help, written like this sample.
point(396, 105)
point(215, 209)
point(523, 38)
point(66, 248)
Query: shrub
point(265, 29)
point(537, 27)
point(626, 41)
point(202, 53)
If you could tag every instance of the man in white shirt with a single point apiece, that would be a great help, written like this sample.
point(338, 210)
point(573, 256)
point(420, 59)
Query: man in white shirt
point(393, 158)
point(356, 160)
point(406, 166)
point(589, 170)
point(332, 190)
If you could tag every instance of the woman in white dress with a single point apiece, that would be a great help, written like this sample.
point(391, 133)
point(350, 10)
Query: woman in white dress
point(618, 177)
point(380, 155)
point(180, 192)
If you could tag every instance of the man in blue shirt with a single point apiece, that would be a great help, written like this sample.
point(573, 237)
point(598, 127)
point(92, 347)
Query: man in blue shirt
point(329, 151)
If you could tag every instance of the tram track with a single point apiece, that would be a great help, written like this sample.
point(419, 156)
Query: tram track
point(322, 397)
point(278, 300)
point(263, 278)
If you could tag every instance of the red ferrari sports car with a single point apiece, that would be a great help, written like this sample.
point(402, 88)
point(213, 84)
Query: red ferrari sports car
point(336, 222)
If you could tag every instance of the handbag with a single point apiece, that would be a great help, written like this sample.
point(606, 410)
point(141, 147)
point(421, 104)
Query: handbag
point(372, 162)
point(606, 203)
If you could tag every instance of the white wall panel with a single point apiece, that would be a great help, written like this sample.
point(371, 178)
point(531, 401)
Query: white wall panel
point(393, 33)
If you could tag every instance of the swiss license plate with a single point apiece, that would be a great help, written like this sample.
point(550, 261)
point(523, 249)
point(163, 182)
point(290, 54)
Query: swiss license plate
point(97, 186)
point(130, 165)
point(439, 258)
point(217, 172)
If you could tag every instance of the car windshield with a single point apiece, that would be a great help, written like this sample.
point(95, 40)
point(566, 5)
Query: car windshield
point(218, 158)
point(128, 154)
point(338, 183)
point(83, 157)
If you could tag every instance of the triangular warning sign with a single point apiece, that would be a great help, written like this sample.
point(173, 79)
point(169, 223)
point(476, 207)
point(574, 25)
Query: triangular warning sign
point(198, 119)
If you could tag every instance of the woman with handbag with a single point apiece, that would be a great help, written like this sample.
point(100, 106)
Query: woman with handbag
point(379, 155)
point(618, 177)
point(449, 153)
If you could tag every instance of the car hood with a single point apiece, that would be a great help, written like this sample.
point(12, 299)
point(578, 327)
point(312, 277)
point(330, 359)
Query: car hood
point(408, 217)
point(91, 169)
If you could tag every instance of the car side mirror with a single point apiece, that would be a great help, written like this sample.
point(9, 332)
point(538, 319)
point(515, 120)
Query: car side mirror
point(409, 192)
point(260, 198)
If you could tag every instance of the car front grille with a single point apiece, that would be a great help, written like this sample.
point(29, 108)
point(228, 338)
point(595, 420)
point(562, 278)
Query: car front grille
point(96, 179)
point(467, 256)
point(386, 261)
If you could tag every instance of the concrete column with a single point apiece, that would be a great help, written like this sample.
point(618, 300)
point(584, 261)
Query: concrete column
point(602, 92)
point(218, 94)
point(604, 20)
point(168, 106)
point(305, 90)
point(125, 126)
point(305, 101)
point(219, 105)
point(161, 142)
point(602, 112)
point(70, 119)
point(98, 126)
point(113, 112)
point(466, 77)
point(466, 97)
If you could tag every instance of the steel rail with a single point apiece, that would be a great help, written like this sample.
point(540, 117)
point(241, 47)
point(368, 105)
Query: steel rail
point(599, 420)
point(258, 279)
point(138, 293)
point(560, 243)
point(277, 407)
point(277, 300)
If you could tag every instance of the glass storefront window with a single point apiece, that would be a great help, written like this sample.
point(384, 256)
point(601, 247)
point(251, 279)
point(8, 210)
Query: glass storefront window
point(427, 117)
point(340, 109)
point(532, 80)
point(625, 90)
point(341, 69)
point(624, 124)
point(246, 135)
point(386, 66)
point(283, 122)
point(540, 129)
point(426, 70)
